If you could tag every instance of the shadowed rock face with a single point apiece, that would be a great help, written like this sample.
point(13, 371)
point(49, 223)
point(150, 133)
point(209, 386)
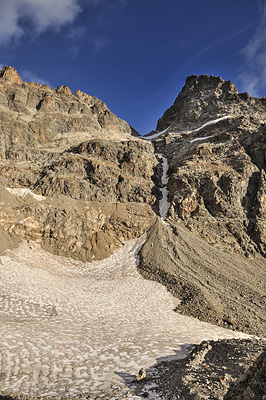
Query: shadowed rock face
point(252, 385)
point(217, 173)
point(98, 179)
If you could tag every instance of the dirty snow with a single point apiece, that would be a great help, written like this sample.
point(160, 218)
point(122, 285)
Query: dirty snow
point(214, 121)
point(155, 135)
point(69, 328)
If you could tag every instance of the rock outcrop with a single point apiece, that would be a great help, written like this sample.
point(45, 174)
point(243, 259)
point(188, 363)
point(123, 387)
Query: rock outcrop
point(96, 176)
point(218, 370)
point(253, 384)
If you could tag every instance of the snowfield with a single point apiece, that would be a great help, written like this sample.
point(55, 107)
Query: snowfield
point(69, 328)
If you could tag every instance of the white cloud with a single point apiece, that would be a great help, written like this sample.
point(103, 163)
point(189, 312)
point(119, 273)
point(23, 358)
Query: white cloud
point(253, 74)
point(250, 83)
point(39, 14)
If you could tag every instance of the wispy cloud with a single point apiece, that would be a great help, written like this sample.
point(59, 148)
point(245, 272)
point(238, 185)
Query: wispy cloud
point(77, 32)
point(253, 73)
point(30, 76)
point(100, 43)
point(40, 15)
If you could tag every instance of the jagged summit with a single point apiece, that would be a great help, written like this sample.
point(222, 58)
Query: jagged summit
point(207, 97)
point(10, 74)
point(41, 117)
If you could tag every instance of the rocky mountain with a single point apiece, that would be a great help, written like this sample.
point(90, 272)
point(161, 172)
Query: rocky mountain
point(217, 171)
point(214, 140)
point(80, 182)
point(96, 176)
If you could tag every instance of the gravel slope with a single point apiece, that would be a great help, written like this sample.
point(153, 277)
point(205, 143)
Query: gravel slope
point(214, 286)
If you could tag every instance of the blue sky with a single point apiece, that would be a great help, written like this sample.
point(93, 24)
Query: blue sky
point(135, 54)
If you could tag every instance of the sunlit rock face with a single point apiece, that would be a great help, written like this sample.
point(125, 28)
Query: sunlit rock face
point(216, 144)
point(204, 98)
point(96, 176)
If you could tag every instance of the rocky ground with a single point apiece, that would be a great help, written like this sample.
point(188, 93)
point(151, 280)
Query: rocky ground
point(212, 371)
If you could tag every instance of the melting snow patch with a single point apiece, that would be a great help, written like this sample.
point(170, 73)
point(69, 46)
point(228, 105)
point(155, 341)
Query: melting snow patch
point(22, 192)
point(155, 135)
point(81, 322)
point(201, 138)
point(214, 121)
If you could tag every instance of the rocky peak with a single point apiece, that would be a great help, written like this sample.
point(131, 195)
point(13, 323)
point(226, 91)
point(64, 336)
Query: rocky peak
point(206, 87)
point(10, 74)
point(208, 97)
point(215, 145)
point(33, 116)
point(64, 90)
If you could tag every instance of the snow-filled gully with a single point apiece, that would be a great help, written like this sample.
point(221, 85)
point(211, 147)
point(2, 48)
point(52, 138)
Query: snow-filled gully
point(163, 203)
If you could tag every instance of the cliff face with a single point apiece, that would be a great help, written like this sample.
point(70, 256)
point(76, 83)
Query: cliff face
point(35, 118)
point(217, 170)
point(97, 178)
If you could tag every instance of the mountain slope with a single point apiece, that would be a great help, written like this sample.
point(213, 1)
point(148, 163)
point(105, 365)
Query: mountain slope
point(212, 254)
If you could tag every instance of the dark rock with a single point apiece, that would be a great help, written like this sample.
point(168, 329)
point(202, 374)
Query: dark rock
point(253, 384)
